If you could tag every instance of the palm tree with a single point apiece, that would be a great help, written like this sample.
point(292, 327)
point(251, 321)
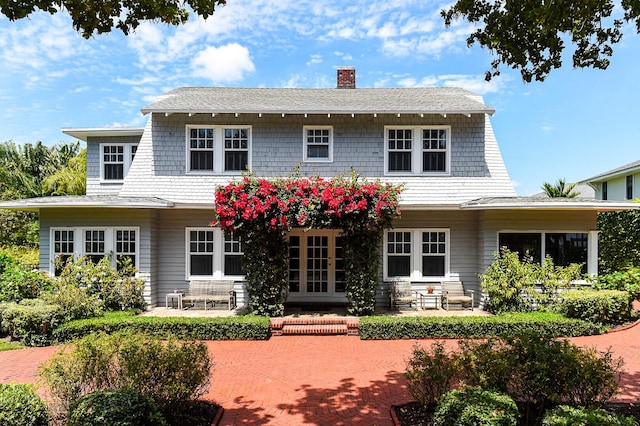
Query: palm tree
point(69, 180)
point(560, 189)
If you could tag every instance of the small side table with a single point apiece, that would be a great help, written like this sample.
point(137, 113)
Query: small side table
point(424, 297)
point(174, 296)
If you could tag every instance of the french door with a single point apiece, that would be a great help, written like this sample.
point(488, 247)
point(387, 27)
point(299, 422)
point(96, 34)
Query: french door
point(315, 265)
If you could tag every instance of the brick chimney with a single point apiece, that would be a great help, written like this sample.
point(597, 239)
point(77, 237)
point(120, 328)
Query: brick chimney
point(346, 77)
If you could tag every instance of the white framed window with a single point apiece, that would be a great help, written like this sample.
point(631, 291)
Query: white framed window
point(218, 149)
point(318, 143)
point(63, 248)
point(212, 254)
point(417, 149)
point(564, 247)
point(416, 254)
point(232, 253)
point(115, 160)
point(93, 243)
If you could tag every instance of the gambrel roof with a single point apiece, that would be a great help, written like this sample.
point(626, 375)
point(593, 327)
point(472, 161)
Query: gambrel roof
point(218, 100)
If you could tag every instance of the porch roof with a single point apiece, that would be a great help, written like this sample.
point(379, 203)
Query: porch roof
point(86, 201)
point(547, 203)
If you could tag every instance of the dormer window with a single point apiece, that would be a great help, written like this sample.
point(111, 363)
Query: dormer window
point(417, 150)
point(115, 160)
point(218, 149)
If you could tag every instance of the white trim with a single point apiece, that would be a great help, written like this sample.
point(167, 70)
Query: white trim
point(305, 158)
point(417, 151)
point(218, 149)
point(79, 241)
point(416, 255)
point(126, 163)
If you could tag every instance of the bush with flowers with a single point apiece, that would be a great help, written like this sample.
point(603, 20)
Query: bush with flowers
point(262, 212)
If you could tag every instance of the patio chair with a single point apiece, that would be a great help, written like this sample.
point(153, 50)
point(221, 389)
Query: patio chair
point(400, 293)
point(453, 292)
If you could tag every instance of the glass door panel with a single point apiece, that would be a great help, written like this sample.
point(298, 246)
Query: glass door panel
point(317, 264)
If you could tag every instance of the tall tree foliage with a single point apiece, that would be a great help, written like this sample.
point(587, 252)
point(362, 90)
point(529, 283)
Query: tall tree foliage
point(101, 16)
point(34, 170)
point(618, 240)
point(560, 189)
point(530, 35)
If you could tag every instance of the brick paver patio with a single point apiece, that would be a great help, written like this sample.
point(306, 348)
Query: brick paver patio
point(326, 380)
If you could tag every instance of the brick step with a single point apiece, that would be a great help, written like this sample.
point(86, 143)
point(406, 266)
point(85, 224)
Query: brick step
point(314, 326)
point(315, 329)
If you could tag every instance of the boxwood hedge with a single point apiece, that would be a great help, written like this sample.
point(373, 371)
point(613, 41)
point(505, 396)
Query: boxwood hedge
point(229, 328)
point(542, 323)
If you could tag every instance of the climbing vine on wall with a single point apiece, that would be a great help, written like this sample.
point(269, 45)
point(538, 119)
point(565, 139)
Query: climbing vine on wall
point(262, 212)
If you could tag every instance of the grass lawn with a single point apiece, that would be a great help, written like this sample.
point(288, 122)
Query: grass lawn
point(7, 346)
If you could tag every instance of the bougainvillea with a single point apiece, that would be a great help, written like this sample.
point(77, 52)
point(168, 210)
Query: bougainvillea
point(261, 211)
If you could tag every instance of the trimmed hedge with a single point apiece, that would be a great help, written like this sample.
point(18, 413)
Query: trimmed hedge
point(602, 306)
point(235, 328)
point(564, 415)
point(122, 407)
point(20, 406)
point(542, 323)
point(475, 406)
point(31, 321)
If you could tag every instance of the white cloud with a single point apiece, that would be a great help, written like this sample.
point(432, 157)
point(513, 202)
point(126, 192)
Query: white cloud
point(224, 64)
point(315, 59)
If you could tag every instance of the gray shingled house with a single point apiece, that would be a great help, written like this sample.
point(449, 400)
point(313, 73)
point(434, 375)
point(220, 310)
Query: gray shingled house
point(150, 191)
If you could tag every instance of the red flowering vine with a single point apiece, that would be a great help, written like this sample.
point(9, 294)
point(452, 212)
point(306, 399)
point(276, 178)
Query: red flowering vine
point(284, 203)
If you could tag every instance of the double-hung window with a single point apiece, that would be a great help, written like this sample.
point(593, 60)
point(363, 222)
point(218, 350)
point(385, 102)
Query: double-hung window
point(416, 254)
point(218, 149)
point(417, 150)
point(318, 143)
point(116, 243)
point(63, 248)
point(213, 253)
point(115, 160)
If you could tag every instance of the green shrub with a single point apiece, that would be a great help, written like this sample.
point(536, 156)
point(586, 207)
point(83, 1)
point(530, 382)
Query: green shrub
point(18, 281)
point(475, 407)
point(29, 257)
point(544, 323)
point(122, 407)
point(541, 371)
point(564, 415)
point(74, 301)
point(430, 374)
point(169, 371)
point(117, 288)
point(242, 328)
point(31, 321)
point(626, 280)
point(521, 286)
point(604, 306)
point(20, 406)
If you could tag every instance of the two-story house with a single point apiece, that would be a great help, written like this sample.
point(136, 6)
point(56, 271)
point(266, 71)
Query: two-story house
point(150, 191)
point(621, 183)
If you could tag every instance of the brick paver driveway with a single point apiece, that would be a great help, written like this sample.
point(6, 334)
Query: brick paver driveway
point(295, 380)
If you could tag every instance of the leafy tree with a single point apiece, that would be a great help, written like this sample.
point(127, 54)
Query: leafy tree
point(25, 172)
point(560, 189)
point(102, 16)
point(618, 240)
point(530, 35)
point(70, 180)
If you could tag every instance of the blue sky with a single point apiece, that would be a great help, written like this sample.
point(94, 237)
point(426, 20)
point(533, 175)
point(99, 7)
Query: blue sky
point(576, 124)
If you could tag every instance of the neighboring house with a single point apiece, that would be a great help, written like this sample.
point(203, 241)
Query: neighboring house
point(150, 190)
point(622, 183)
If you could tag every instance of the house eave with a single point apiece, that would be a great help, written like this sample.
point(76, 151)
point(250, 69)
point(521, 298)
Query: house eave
point(190, 112)
point(549, 204)
point(86, 202)
point(83, 133)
